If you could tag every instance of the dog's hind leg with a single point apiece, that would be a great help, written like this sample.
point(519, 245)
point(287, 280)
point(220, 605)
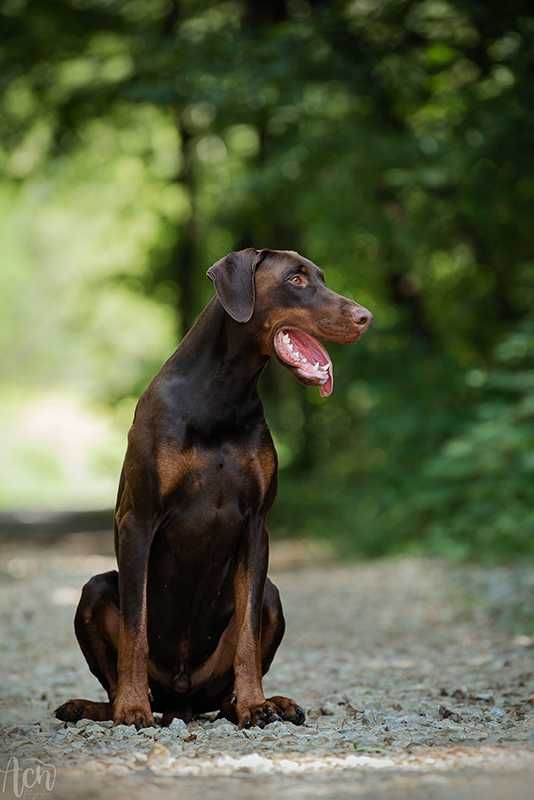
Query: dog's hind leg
point(96, 625)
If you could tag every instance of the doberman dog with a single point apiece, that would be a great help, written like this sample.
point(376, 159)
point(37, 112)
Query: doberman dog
point(190, 622)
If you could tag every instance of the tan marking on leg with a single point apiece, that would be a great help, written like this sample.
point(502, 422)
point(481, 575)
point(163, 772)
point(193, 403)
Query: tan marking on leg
point(247, 660)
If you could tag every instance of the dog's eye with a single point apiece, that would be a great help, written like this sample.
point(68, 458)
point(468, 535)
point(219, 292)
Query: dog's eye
point(298, 280)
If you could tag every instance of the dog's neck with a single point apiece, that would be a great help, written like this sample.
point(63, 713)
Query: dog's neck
point(222, 355)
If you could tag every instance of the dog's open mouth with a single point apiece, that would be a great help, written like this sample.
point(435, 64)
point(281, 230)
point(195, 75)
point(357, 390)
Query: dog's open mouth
point(307, 357)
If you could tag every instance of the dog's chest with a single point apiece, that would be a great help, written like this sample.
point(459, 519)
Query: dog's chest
point(218, 479)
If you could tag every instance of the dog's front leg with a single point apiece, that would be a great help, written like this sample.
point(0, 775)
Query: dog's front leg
point(251, 707)
point(131, 705)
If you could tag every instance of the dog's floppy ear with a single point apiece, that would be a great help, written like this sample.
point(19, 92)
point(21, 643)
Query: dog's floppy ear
point(233, 277)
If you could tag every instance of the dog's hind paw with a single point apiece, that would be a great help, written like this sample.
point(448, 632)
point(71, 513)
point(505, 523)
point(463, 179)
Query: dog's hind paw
point(74, 710)
point(71, 711)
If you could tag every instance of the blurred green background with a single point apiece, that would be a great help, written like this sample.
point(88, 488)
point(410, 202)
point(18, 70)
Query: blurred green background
point(390, 141)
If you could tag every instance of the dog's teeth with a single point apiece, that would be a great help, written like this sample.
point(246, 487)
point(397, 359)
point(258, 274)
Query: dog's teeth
point(286, 339)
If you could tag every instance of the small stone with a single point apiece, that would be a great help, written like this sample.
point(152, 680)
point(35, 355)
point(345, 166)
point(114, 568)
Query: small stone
point(93, 764)
point(124, 731)
point(524, 641)
point(252, 762)
point(118, 769)
point(159, 757)
point(178, 727)
point(446, 713)
point(328, 710)
point(279, 729)
point(150, 732)
point(65, 733)
point(84, 723)
point(94, 732)
point(222, 723)
point(370, 717)
point(484, 697)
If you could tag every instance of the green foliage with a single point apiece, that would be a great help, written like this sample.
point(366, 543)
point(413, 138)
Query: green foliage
point(479, 499)
point(391, 142)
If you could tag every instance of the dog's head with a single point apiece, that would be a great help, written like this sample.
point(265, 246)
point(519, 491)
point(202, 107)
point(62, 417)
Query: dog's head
point(283, 299)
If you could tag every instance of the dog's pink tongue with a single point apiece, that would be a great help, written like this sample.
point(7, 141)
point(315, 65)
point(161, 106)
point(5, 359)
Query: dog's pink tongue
point(327, 388)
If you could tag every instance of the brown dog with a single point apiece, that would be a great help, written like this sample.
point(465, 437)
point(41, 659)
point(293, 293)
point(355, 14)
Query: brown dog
point(190, 622)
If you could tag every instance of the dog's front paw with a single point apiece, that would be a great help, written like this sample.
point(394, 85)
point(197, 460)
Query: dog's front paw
point(288, 710)
point(132, 710)
point(258, 715)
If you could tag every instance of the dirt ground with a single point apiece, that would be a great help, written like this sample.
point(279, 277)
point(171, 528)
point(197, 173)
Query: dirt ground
point(417, 679)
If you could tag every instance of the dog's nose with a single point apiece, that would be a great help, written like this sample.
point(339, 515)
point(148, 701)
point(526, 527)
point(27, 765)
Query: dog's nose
point(362, 316)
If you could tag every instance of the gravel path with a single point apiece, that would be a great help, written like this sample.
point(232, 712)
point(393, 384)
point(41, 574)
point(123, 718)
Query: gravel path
point(411, 690)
